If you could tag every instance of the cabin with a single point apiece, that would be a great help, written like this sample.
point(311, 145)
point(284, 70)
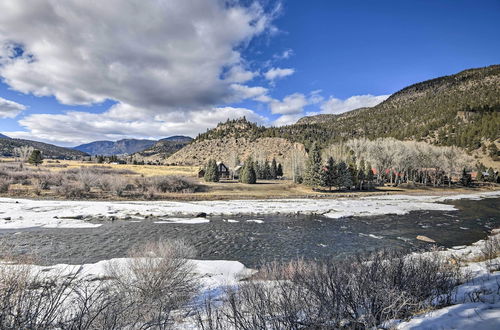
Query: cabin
point(236, 172)
point(201, 173)
point(223, 170)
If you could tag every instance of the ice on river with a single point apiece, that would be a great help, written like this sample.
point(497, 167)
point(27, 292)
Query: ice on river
point(25, 213)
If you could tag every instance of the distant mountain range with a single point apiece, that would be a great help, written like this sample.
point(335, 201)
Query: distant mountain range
point(131, 146)
point(4, 136)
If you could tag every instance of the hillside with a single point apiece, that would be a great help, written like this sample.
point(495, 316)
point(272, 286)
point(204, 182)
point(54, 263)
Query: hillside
point(7, 146)
point(4, 136)
point(166, 147)
point(121, 147)
point(461, 109)
point(234, 141)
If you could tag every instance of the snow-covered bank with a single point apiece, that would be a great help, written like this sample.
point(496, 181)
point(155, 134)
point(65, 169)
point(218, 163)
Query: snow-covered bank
point(25, 213)
point(476, 303)
point(212, 273)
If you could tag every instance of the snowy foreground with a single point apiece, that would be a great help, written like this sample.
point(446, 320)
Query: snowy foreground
point(475, 305)
point(25, 213)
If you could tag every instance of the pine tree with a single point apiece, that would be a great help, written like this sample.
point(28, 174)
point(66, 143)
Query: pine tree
point(313, 175)
point(479, 176)
point(267, 171)
point(343, 176)
point(466, 179)
point(274, 169)
point(35, 158)
point(370, 176)
point(491, 175)
point(211, 172)
point(329, 174)
point(259, 170)
point(279, 171)
point(248, 174)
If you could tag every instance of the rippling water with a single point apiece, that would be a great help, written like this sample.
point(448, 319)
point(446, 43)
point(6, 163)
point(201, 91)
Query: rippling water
point(269, 238)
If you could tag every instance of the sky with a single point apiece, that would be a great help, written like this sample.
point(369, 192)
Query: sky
point(76, 71)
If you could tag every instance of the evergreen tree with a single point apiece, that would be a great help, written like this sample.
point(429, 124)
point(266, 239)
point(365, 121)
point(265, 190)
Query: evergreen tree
point(329, 174)
point(279, 171)
point(313, 172)
point(479, 176)
point(344, 178)
point(370, 176)
point(259, 170)
point(274, 169)
point(211, 172)
point(248, 174)
point(267, 171)
point(491, 175)
point(354, 173)
point(466, 179)
point(35, 158)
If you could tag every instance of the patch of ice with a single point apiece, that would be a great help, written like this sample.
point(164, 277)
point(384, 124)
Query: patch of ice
point(184, 220)
point(256, 221)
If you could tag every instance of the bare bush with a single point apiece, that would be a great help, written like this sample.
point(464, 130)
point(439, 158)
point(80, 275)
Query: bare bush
point(334, 294)
point(70, 189)
point(4, 185)
point(172, 183)
point(158, 279)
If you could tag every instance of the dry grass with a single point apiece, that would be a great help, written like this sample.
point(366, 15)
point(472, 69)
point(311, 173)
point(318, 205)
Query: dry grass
point(146, 170)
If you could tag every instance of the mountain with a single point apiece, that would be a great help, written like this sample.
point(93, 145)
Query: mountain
point(7, 146)
point(108, 148)
point(165, 147)
point(461, 109)
point(4, 136)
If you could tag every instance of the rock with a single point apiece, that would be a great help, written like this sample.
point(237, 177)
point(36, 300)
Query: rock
point(7, 218)
point(201, 215)
point(425, 239)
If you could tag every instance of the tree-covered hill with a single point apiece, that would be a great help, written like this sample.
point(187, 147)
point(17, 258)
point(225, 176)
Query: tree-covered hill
point(8, 145)
point(461, 109)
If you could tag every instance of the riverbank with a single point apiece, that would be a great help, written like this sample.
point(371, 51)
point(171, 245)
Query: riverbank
point(27, 213)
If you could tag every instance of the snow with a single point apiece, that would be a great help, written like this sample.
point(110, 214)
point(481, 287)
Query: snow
point(213, 273)
point(25, 213)
point(184, 220)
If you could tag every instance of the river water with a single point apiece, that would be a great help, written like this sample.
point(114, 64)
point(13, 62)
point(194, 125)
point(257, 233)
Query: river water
point(253, 240)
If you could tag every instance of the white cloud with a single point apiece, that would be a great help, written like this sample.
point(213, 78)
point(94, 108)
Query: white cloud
point(160, 56)
point(246, 92)
point(121, 121)
point(291, 104)
point(238, 74)
point(335, 106)
point(287, 119)
point(10, 109)
point(276, 73)
point(285, 55)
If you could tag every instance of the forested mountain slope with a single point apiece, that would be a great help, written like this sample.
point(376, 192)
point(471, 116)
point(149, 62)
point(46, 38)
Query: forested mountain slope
point(461, 110)
point(108, 148)
point(7, 146)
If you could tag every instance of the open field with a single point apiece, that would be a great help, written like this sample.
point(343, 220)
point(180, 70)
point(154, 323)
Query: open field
point(140, 182)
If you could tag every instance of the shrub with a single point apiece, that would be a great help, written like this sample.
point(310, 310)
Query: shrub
point(172, 183)
point(4, 185)
point(334, 294)
point(70, 189)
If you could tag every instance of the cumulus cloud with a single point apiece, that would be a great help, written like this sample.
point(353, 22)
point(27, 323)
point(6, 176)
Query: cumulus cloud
point(10, 109)
point(76, 127)
point(291, 104)
point(157, 55)
point(335, 106)
point(277, 73)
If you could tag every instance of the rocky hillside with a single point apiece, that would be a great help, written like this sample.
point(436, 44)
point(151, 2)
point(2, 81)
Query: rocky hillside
point(121, 147)
point(7, 146)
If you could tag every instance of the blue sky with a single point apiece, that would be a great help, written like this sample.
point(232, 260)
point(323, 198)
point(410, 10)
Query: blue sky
point(160, 68)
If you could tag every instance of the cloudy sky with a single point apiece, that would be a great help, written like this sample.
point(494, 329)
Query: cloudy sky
point(78, 71)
